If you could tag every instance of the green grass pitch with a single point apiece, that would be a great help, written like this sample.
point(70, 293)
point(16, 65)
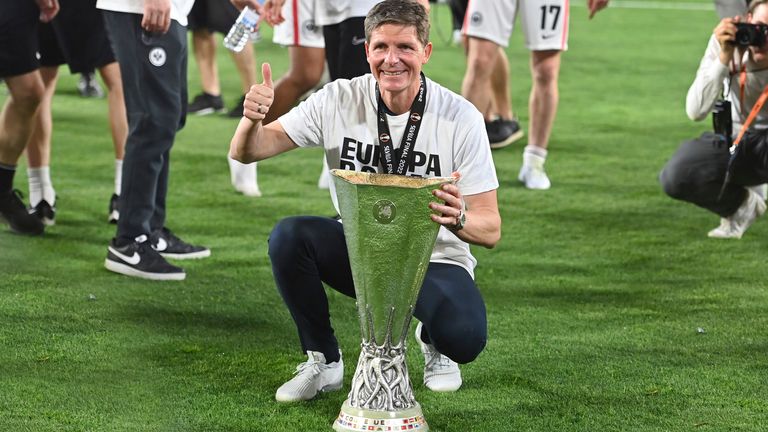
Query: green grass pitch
point(594, 294)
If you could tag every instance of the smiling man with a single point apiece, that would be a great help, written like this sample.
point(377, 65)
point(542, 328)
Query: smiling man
point(356, 122)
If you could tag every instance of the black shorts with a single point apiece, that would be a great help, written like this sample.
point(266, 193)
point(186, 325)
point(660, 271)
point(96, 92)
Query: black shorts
point(212, 15)
point(345, 49)
point(77, 37)
point(18, 37)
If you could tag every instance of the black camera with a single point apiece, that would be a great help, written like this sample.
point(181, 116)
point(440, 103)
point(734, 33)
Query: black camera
point(722, 123)
point(751, 34)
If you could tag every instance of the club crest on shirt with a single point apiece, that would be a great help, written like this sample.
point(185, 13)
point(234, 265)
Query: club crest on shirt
point(157, 56)
point(476, 19)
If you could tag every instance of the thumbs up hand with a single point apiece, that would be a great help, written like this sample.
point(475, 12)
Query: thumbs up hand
point(259, 97)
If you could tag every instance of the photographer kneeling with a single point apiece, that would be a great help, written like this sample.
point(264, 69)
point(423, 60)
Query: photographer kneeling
point(724, 171)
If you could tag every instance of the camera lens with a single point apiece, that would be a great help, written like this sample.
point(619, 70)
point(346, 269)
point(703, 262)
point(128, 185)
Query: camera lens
point(743, 37)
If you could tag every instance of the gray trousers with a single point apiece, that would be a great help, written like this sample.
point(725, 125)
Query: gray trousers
point(154, 72)
point(696, 172)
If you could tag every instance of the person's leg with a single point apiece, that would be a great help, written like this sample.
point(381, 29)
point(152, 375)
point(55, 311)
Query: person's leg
point(452, 312)
point(542, 108)
point(482, 57)
point(696, 172)
point(118, 124)
point(305, 252)
point(204, 50)
point(304, 73)
point(16, 123)
point(500, 87)
point(452, 324)
point(42, 195)
point(245, 62)
point(503, 129)
point(18, 115)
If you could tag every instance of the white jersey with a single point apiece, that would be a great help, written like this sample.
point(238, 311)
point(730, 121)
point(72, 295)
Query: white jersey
point(342, 118)
point(179, 8)
point(545, 22)
point(299, 28)
point(710, 80)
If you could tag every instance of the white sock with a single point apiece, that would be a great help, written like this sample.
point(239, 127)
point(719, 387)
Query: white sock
point(40, 186)
point(118, 175)
point(243, 177)
point(536, 150)
point(534, 156)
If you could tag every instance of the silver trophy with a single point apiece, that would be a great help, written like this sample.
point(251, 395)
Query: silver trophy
point(390, 238)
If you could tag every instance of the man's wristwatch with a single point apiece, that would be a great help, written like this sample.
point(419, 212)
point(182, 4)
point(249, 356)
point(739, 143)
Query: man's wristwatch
point(461, 220)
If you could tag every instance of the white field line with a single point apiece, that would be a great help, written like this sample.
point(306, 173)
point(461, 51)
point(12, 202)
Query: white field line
point(627, 4)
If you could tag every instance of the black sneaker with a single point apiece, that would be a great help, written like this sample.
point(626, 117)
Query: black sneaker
point(502, 133)
point(14, 212)
point(204, 104)
point(138, 259)
point(45, 212)
point(88, 86)
point(170, 246)
point(114, 210)
point(237, 111)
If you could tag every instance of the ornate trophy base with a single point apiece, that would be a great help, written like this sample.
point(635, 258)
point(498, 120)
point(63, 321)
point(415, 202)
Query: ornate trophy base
point(354, 419)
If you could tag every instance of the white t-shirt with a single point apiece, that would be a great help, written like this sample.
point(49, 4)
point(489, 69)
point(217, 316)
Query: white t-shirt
point(179, 8)
point(712, 76)
point(341, 117)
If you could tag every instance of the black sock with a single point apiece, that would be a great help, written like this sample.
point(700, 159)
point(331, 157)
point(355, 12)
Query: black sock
point(6, 178)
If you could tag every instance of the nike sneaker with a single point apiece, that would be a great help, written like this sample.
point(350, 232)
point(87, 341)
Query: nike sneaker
point(139, 259)
point(170, 246)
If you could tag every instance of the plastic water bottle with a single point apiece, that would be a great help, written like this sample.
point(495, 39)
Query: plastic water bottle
point(241, 30)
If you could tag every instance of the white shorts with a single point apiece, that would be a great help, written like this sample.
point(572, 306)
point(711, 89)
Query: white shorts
point(545, 22)
point(299, 32)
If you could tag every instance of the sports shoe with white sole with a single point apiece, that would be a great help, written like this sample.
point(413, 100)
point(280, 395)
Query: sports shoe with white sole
point(169, 245)
point(138, 259)
point(502, 133)
point(312, 376)
point(532, 173)
point(45, 212)
point(441, 374)
point(15, 214)
point(736, 224)
point(205, 103)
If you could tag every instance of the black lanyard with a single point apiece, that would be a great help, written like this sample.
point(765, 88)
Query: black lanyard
point(409, 136)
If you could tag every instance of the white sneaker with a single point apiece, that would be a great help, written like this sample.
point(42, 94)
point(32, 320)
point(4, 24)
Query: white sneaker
point(532, 172)
point(243, 177)
point(441, 374)
point(736, 224)
point(312, 376)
